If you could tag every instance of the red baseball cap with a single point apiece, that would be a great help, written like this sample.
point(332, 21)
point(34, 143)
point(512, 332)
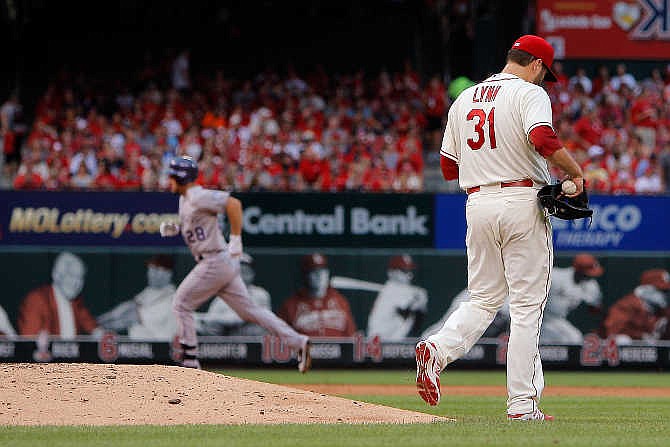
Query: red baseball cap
point(541, 49)
point(588, 265)
point(313, 261)
point(658, 278)
point(402, 262)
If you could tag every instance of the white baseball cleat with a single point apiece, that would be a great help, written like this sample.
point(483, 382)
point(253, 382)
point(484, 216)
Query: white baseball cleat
point(536, 415)
point(427, 372)
point(304, 357)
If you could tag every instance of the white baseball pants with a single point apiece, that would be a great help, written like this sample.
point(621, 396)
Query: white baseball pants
point(220, 275)
point(509, 247)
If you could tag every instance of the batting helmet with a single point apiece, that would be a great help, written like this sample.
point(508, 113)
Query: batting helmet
point(183, 169)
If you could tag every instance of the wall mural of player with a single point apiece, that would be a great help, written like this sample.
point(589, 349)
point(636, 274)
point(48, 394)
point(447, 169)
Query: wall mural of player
point(498, 326)
point(642, 314)
point(6, 329)
point(317, 309)
point(221, 319)
point(58, 308)
point(399, 307)
point(148, 315)
point(569, 288)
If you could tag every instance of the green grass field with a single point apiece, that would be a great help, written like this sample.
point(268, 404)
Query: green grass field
point(581, 421)
point(451, 377)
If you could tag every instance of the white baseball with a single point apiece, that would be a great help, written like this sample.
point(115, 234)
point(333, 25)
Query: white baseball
point(569, 187)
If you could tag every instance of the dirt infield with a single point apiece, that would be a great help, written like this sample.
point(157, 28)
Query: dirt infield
point(484, 390)
point(89, 394)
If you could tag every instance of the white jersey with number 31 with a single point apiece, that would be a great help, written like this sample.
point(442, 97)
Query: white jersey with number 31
point(487, 132)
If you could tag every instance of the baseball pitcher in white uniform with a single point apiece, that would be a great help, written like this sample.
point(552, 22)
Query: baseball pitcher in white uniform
point(497, 139)
point(218, 269)
point(569, 288)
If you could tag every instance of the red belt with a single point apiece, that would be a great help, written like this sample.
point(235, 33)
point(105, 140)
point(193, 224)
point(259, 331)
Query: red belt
point(526, 182)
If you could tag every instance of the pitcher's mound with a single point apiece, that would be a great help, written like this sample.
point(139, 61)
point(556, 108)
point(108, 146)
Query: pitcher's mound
point(90, 394)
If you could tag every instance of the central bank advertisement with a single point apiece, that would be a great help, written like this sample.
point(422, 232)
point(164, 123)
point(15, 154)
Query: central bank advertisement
point(344, 220)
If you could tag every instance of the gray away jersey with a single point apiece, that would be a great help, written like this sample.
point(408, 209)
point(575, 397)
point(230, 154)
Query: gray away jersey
point(198, 210)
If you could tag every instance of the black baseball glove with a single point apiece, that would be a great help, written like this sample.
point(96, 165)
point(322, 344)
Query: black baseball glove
point(554, 200)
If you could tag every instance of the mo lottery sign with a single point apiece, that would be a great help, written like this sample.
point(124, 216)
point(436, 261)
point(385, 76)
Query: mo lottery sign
point(95, 218)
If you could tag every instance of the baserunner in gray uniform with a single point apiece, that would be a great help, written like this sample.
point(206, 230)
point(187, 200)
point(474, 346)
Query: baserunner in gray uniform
point(218, 268)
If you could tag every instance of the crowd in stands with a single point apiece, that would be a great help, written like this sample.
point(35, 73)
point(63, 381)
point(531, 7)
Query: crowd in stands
point(270, 133)
point(617, 126)
point(317, 132)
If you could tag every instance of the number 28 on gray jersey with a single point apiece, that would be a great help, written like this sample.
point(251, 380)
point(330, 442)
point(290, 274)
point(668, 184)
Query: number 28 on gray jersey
point(198, 210)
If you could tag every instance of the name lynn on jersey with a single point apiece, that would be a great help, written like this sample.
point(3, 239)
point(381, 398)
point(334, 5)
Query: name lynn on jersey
point(485, 93)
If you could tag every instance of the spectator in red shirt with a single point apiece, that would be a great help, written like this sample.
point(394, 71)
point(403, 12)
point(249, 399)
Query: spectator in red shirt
point(214, 118)
point(611, 110)
point(644, 116)
point(407, 179)
point(623, 182)
point(561, 78)
point(435, 98)
point(105, 180)
point(602, 81)
point(59, 175)
point(132, 146)
point(311, 167)
point(589, 128)
point(410, 149)
point(28, 177)
point(378, 178)
point(128, 179)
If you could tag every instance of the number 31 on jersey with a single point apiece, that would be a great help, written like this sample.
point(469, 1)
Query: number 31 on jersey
point(480, 118)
